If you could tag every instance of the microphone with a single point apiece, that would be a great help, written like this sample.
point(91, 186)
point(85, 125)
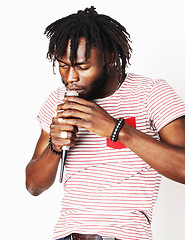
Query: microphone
point(65, 148)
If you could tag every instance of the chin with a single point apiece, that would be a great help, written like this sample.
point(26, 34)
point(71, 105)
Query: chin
point(85, 95)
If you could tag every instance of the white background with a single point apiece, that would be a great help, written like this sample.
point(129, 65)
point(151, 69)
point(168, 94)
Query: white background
point(158, 37)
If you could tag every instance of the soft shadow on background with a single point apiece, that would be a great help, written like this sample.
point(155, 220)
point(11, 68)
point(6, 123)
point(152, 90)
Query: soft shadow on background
point(158, 36)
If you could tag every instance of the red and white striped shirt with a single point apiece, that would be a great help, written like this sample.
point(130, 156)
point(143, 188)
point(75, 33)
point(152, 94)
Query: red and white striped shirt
point(109, 190)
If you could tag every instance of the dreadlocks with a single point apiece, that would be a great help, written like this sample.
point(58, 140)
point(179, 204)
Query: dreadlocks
point(101, 31)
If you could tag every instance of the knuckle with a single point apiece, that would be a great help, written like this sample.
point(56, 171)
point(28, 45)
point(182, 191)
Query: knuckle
point(72, 112)
point(90, 125)
point(90, 117)
point(76, 121)
point(91, 110)
point(69, 112)
point(67, 142)
point(92, 104)
point(70, 128)
point(71, 104)
point(69, 135)
point(72, 142)
point(77, 99)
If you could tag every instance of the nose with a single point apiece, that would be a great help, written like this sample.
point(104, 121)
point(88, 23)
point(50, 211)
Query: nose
point(72, 75)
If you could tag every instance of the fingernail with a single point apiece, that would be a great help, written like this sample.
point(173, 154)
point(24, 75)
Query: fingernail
point(60, 120)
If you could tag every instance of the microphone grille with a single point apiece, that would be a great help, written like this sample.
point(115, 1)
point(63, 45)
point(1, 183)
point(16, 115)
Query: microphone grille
point(71, 93)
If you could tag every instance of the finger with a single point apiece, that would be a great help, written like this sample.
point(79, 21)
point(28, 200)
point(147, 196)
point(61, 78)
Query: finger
point(71, 113)
point(60, 120)
point(59, 125)
point(78, 100)
point(78, 122)
point(67, 135)
point(59, 137)
point(74, 105)
point(60, 143)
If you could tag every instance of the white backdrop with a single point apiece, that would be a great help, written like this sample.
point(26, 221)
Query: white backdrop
point(158, 36)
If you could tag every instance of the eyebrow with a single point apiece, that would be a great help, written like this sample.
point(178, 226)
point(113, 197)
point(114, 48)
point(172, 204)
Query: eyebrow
point(77, 64)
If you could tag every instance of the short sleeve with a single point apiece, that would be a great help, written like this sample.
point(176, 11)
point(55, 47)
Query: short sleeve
point(48, 109)
point(164, 105)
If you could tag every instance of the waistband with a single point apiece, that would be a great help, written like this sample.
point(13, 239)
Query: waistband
point(78, 236)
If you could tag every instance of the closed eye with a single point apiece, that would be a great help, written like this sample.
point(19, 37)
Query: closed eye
point(82, 67)
point(63, 66)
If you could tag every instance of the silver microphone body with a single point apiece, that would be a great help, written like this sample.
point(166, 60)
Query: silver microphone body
point(65, 148)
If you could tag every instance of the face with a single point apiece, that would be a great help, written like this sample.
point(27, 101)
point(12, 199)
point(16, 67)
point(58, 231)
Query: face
point(87, 77)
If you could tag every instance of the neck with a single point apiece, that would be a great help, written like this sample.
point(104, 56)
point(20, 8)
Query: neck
point(112, 84)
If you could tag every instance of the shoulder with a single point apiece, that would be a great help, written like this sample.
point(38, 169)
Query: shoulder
point(55, 96)
point(48, 109)
point(141, 80)
point(141, 85)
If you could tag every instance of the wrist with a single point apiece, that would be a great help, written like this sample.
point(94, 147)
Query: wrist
point(115, 133)
point(52, 148)
point(125, 134)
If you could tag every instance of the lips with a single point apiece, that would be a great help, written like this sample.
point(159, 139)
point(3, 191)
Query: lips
point(74, 88)
point(78, 90)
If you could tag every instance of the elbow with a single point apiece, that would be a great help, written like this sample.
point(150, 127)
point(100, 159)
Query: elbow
point(36, 184)
point(32, 190)
point(31, 185)
point(178, 175)
point(181, 174)
point(182, 180)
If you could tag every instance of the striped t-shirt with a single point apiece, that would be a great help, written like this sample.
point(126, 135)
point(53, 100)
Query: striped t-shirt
point(109, 190)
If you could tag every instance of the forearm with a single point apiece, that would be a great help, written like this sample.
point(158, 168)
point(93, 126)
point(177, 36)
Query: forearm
point(166, 159)
point(41, 172)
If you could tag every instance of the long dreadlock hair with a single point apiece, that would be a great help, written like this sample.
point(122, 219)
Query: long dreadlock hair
point(101, 31)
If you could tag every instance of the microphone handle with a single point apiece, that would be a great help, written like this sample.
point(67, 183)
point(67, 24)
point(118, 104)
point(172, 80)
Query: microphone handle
point(65, 148)
point(63, 159)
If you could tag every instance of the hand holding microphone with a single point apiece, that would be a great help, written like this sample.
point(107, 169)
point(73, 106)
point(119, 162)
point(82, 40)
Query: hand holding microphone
point(85, 114)
point(64, 135)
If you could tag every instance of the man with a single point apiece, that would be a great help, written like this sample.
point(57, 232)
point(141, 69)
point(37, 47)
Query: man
point(124, 130)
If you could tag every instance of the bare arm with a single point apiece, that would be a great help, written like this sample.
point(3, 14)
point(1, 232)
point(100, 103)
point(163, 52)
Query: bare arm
point(167, 156)
point(41, 170)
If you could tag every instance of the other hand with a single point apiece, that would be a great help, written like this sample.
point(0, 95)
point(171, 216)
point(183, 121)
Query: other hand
point(89, 115)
